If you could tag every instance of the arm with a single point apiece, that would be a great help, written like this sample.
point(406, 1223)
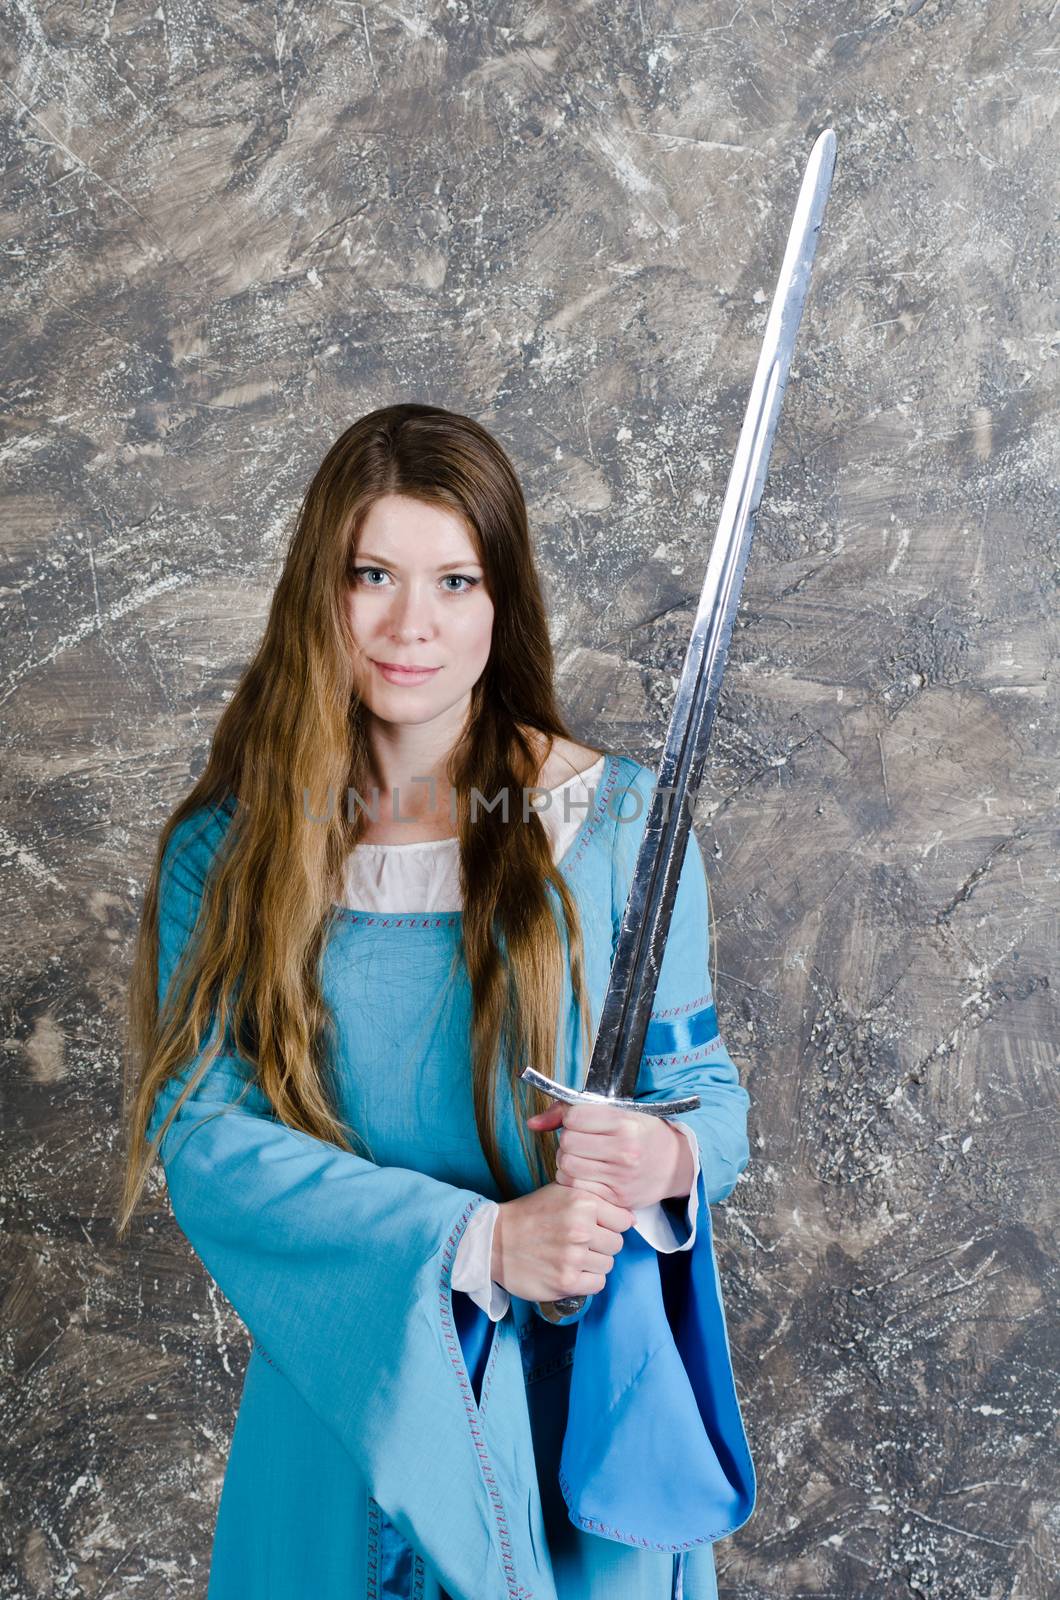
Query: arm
point(652, 1380)
point(670, 1224)
point(473, 1265)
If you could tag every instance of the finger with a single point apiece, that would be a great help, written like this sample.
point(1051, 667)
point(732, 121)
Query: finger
point(588, 1116)
point(613, 1215)
point(598, 1261)
point(586, 1167)
point(542, 1121)
point(607, 1239)
point(603, 1190)
point(591, 1146)
point(590, 1283)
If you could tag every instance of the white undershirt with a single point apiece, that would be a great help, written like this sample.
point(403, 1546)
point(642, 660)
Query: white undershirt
point(425, 876)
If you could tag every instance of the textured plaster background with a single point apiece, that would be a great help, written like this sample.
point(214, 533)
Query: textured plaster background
point(229, 230)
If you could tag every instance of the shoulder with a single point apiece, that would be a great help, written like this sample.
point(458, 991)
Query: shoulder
point(194, 842)
point(560, 758)
point(635, 775)
point(626, 818)
point(623, 793)
point(627, 809)
point(633, 787)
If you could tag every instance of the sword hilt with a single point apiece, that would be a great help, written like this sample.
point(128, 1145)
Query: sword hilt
point(569, 1308)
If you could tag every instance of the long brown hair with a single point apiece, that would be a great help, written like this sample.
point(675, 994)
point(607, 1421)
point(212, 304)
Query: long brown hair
point(296, 716)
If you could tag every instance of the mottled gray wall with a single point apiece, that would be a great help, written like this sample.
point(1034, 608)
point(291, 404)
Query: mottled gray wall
point(229, 230)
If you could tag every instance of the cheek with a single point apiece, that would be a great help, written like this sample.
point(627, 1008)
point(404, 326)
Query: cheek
point(480, 631)
point(364, 618)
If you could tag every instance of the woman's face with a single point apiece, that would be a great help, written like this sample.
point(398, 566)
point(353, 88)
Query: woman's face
point(417, 599)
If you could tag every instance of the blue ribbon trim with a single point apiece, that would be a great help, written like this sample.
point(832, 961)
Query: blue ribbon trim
point(687, 1033)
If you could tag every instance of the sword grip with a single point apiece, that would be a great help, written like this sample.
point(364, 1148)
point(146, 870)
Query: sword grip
point(571, 1307)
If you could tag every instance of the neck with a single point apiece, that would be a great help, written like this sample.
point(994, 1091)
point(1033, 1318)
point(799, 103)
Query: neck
point(405, 756)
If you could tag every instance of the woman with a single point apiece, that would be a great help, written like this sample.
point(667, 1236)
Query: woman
point(354, 1156)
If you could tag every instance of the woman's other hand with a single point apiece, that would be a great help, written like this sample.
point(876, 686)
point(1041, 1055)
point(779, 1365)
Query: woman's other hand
point(556, 1241)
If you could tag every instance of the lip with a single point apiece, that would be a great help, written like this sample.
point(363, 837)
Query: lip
point(408, 675)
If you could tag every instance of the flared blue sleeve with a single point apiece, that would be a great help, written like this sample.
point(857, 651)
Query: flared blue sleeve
point(341, 1271)
point(652, 1379)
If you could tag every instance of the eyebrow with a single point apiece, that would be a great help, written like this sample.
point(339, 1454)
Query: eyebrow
point(366, 555)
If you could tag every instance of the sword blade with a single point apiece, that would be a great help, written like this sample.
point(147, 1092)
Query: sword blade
point(615, 1062)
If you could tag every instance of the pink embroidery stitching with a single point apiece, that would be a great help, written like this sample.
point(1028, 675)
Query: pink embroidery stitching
point(375, 1514)
point(602, 798)
point(693, 1057)
point(372, 921)
point(487, 1376)
point(677, 1011)
point(593, 1526)
point(373, 1549)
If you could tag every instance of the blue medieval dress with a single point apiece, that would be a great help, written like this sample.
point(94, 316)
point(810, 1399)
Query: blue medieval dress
point(392, 1441)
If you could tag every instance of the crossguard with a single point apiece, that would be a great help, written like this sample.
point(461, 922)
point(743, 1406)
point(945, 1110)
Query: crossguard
point(570, 1307)
point(574, 1097)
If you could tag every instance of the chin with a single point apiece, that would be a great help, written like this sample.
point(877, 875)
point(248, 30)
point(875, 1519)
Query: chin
point(397, 710)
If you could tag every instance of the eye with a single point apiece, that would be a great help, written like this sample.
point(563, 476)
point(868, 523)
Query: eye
point(454, 577)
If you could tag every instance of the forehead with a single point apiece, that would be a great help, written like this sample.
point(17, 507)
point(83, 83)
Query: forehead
point(411, 530)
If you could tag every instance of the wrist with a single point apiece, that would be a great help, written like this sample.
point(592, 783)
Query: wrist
point(497, 1248)
point(680, 1178)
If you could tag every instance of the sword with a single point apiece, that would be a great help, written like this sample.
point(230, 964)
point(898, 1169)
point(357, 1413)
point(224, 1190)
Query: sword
point(615, 1061)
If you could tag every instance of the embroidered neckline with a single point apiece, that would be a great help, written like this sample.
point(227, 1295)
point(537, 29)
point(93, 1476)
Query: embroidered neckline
point(453, 839)
point(425, 920)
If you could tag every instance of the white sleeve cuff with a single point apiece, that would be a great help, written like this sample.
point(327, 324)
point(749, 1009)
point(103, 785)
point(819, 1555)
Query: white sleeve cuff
point(471, 1268)
point(656, 1224)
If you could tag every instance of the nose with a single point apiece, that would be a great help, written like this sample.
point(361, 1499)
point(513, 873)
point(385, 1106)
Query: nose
point(411, 614)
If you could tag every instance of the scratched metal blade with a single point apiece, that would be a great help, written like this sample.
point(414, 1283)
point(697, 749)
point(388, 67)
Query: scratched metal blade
point(615, 1062)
